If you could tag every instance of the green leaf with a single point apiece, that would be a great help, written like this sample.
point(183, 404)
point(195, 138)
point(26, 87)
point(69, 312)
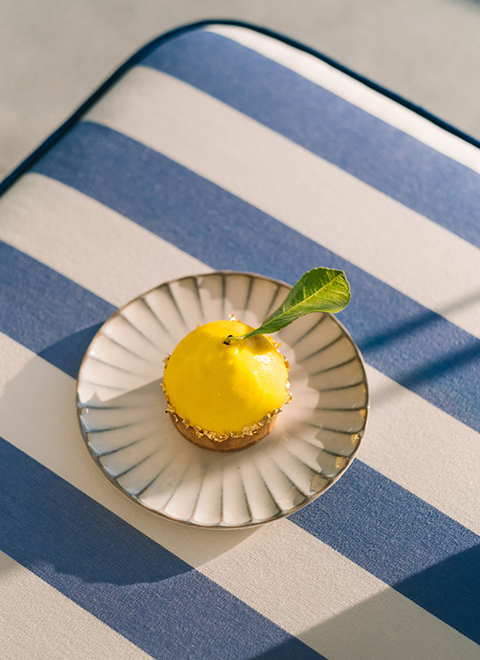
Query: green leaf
point(319, 290)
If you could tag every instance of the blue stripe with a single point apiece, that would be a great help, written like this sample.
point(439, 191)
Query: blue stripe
point(122, 577)
point(42, 310)
point(406, 341)
point(410, 545)
point(371, 520)
point(382, 156)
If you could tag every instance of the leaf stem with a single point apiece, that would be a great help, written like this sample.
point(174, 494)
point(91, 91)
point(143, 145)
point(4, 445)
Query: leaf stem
point(230, 337)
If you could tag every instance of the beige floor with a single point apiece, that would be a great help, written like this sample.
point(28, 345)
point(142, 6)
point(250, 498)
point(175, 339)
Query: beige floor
point(53, 53)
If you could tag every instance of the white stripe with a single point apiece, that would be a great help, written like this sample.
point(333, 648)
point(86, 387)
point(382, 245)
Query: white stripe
point(37, 621)
point(355, 92)
point(87, 241)
point(398, 418)
point(393, 243)
point(280, 570)
point(14, 358)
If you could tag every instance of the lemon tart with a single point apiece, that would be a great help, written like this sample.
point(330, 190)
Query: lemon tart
point(225, 395)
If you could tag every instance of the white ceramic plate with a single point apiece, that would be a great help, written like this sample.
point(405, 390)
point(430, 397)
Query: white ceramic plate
point(121, 407)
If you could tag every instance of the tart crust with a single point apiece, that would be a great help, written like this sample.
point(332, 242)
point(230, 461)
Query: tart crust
point(230, 443)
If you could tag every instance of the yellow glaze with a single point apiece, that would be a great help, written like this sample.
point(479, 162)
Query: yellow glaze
point(225, 388)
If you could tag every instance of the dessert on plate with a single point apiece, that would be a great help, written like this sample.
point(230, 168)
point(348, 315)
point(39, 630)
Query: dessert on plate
point(225, 396)
point(225, 382)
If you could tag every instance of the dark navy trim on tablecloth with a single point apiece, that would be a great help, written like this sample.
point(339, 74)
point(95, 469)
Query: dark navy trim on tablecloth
point(137, 57)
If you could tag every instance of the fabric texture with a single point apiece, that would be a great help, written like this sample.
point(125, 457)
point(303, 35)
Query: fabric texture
point(224, 148)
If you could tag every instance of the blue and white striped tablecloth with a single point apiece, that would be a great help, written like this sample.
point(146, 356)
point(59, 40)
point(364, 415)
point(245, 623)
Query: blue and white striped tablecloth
point(225, 148)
